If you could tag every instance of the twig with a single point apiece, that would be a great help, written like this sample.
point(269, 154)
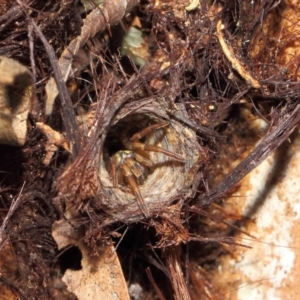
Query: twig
point(172, 255)
point(156, 288)
point(14, 205)
point(36, 106)
point(69, 117)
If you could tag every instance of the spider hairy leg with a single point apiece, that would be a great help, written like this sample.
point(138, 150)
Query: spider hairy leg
point(143, 153)
point(134, 187)
point(143, 160)
point(113, 171)
point(117, 177)
point(145, 147)
point(136, 169)
point(139, 135)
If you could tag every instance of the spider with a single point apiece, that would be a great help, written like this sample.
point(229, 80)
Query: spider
point(131, 165)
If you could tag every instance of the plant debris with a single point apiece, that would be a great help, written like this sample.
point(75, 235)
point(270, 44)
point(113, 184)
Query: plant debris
point(100, 75)
point(15, 101)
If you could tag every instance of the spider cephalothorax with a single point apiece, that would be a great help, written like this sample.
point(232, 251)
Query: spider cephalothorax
point(132, 165)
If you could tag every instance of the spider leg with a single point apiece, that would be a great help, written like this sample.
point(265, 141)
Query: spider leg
point(117, 176)
point(143, 153)
point(113, 171)
point(137, 136)
point(146, 147)
point(143, 159)
point(134, 187)
point(136, 169)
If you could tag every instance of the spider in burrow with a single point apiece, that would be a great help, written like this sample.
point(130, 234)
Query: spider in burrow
point(130, 165)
